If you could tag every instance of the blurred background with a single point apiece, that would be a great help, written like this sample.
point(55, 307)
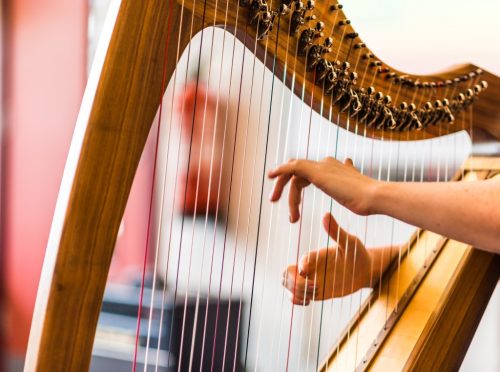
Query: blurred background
point(47, 49)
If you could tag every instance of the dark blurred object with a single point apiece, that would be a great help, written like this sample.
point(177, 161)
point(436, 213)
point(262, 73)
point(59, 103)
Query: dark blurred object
point(115, 338)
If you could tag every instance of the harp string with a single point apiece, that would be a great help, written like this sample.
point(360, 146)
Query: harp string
point(302, 208)
point(285, 151)
point(363, 239)
point(214, 136)
point(289, 244)
point(141, 294)
point(271, 213)
point(262, 181)
point(230, 181)
point(176, 180)
point(160, 230)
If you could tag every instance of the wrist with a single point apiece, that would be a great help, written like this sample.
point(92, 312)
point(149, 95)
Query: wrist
point(378, 197)
point(373, 195)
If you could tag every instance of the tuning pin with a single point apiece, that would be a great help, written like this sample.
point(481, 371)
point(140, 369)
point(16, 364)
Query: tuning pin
point(484, 84)
point(352, 35)
point(379, 96)
point(428, 106)
point(479, 72)
point(320, 26)
point(346, 66)
point(448, 82)
point(387, 100)
point(437, 104)
point(461, 97)
point(284, 9)
point(359, 45)
point(432, 85)
point(336, 7)
point(403, 106)
point(353, 76)
point(446, 102)
point(310, 4)
point(456, 80)
point(328, 42)
point(412, 107)
point(469, 93)
point(368, 55)
point(344, 22)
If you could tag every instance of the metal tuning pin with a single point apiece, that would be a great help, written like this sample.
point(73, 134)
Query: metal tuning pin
point(300, 15)
point(335, 7)
point(263, 17)
point(315, 54)
point(307, 37)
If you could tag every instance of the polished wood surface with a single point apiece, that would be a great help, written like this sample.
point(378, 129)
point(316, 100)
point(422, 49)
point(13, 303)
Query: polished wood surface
point(120, 104)
point(114, 123)
point(278, 52)
point(435, 329)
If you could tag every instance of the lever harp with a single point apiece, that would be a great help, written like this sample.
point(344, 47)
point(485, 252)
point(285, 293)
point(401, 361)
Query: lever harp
point(419, 315)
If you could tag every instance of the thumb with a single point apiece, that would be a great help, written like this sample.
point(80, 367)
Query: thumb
point(336, 232)
point(349, 162)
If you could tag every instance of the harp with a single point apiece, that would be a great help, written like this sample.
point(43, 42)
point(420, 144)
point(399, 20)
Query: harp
point(312, 48)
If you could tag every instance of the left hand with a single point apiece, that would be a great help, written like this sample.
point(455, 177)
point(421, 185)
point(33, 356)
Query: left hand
point(330, 272)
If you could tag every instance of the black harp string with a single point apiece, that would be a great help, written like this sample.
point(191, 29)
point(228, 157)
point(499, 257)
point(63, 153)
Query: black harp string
point(188, 165)
point(159, 234)
point(289, 244)
point(195, 320)
point(262, 178)
point(141, 295)
point(328, 236)
point(207, 90)
point(285, 148)
point(230, 192)
point(276, 159)
point(303, 193)
point(239, 201)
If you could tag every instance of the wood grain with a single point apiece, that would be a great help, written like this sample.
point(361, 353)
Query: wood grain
point(436, 327)
point(122, 111)
point(116, 116)
point(279, 50)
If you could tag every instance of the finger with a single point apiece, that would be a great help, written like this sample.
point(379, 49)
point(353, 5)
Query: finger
point(336, 232)
point(296, 284)
point(279, 187)
point(308, 264)
point(295, 197)
point(300, 301)
point(301, 168)
point(349, 162)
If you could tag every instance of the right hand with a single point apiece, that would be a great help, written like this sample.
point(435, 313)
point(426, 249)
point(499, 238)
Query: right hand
point(339, 180)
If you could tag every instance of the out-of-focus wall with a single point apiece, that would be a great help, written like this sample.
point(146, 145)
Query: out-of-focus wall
point(45, 77)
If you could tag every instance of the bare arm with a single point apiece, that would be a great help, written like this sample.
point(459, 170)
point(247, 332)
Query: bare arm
point(465, 211)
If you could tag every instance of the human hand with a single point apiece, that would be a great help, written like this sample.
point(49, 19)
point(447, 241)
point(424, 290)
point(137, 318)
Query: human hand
point(330, 272)
point(341, 181)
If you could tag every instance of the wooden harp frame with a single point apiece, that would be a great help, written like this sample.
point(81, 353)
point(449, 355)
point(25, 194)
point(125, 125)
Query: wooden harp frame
point(117, 112)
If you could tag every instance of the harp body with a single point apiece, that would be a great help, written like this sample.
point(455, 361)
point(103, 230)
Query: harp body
point(120, 104)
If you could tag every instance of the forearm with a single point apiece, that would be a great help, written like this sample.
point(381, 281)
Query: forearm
point(465, 211)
